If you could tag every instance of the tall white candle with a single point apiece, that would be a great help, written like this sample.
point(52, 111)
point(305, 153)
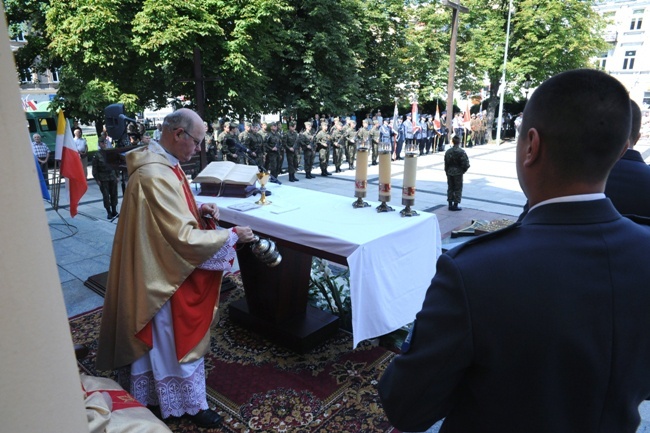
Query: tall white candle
point(384, 176)
point(361, 174)
point(410, 170)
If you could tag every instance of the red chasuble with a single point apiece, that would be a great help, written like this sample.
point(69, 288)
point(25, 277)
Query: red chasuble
point(193, 302)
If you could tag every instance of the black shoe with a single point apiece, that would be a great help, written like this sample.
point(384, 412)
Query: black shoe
point(206, 418)
point(324, 174)
point(295, 179)
point(374, 163)
point(327, 173)
point(351, 167)
point(109, 216)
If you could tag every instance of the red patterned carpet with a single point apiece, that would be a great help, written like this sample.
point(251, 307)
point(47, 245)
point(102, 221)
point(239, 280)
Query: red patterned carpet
point(260, 387)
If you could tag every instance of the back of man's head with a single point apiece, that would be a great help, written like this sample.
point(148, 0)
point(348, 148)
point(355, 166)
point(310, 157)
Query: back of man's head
point(635, 133)
point(583, 120)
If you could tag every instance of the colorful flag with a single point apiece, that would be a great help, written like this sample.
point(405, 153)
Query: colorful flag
point(70, 166)
point(467, 118)
point(436, 120)
point(415, 118)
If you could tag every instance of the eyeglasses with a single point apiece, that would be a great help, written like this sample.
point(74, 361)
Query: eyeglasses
point(196, 142)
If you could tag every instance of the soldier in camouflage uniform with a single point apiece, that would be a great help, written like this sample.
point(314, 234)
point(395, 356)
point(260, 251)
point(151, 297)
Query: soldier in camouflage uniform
point(351, 143)
point(456, 164)
point(220, 142)
point(255, 143)
point(245, 138)
point(292, 149)
point(323, 140)
point(363, 135)
point(374, 141)
point(306, 142)
point(338, 145)
point(272, 146)
point(230, 147)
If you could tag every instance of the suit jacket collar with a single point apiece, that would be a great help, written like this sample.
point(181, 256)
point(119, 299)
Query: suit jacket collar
point(582, 212)
point(633, 155)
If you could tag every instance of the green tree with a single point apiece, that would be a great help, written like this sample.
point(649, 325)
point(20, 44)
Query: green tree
point(546, 37)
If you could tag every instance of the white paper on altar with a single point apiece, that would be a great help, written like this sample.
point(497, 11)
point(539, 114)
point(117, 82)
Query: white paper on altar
point(392, 259)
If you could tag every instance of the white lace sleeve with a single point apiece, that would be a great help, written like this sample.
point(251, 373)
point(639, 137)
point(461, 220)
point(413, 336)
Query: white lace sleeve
point(224, 258)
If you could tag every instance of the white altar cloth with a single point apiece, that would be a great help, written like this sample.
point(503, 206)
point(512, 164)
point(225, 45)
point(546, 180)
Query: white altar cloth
point(391, 258)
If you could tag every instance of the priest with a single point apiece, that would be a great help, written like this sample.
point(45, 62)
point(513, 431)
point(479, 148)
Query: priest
point(164, 278)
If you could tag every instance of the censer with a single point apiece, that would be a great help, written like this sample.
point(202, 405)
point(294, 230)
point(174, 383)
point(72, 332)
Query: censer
point(266, 251)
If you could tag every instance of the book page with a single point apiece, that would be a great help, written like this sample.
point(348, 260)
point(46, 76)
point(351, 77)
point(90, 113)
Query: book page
point(242, 174)
point(215, 172)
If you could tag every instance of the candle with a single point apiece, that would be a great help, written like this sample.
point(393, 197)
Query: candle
point(384, 176)
point(408, 185)
point(361, 174)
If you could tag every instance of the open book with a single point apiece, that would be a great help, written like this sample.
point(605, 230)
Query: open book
point(228, 172)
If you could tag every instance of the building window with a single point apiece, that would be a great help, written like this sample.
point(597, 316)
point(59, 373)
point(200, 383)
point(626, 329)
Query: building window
point(602, 61)
point(20, 37)
point(26, 76)
point(635, 24)
point(55, 75)
point(646, 100)
point(628, 62)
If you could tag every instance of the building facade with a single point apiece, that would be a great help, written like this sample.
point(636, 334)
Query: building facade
point(628, 34)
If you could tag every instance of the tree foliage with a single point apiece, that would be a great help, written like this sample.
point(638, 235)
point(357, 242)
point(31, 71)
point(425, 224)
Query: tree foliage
point(300, 56)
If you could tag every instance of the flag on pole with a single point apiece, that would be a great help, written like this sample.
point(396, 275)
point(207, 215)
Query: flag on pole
point(70, 166)
point(436, 120)
point(415, 119)
point(44, 192)
point(467, 118)
point(395, 117)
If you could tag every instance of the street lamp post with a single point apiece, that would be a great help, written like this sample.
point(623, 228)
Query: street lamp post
point(502, 86)
point(526, 87)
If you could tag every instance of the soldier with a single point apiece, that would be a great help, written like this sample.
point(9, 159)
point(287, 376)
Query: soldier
point(210, 142)
point(363, 134)
point(408, 130)
point(231, 145)
point(431, 133)
point(386, 135)
point(323, 140)
point(306, 141)
point(220, 142)
point(245, 140)
point(475, 127)
point(374, 141)
point(351, 143)
point(255, 144)
point(456, 164)
point(291, 146)
point(272, 146)
point(483, 127)
point(338, 145)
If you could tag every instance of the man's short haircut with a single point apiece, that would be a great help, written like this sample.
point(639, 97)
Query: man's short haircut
point(178, 119)
point(583, 119)
point(455, 139)
point(636, 122)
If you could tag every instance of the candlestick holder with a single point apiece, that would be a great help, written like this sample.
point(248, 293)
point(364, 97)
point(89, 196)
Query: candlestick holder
point(361, 175)
point(408, 186)
point(384, 151)
point(263, 178)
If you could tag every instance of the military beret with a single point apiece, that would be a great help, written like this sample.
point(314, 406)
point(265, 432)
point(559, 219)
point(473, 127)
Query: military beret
point(308, 123)
point(234, 125)
point(248, 124)
point(375, 122)
point(292, 123)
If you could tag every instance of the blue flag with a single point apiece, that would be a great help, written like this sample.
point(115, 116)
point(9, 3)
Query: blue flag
point(44, 192)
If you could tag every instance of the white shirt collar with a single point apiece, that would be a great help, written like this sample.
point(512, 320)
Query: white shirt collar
point(570, 198)
point(155, 147)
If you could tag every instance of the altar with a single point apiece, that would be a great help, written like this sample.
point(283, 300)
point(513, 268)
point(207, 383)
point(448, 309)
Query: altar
point(391, 258)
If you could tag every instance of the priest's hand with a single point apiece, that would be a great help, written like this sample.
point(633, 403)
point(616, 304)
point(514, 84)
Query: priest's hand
point(210, 209)
point(245, 234)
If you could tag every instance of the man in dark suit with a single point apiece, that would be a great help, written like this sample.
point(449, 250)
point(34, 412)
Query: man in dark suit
point(628, 185)
point(542, 326)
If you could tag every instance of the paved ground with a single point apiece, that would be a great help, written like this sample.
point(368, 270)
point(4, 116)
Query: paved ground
point(83, 244)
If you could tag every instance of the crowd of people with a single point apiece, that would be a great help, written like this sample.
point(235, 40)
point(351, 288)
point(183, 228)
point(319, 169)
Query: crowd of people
point(334, 140)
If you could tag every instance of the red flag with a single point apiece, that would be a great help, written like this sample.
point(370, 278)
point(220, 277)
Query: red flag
point(71, 167)
point(415, 119)
point(436, 120)
point(467, 117)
